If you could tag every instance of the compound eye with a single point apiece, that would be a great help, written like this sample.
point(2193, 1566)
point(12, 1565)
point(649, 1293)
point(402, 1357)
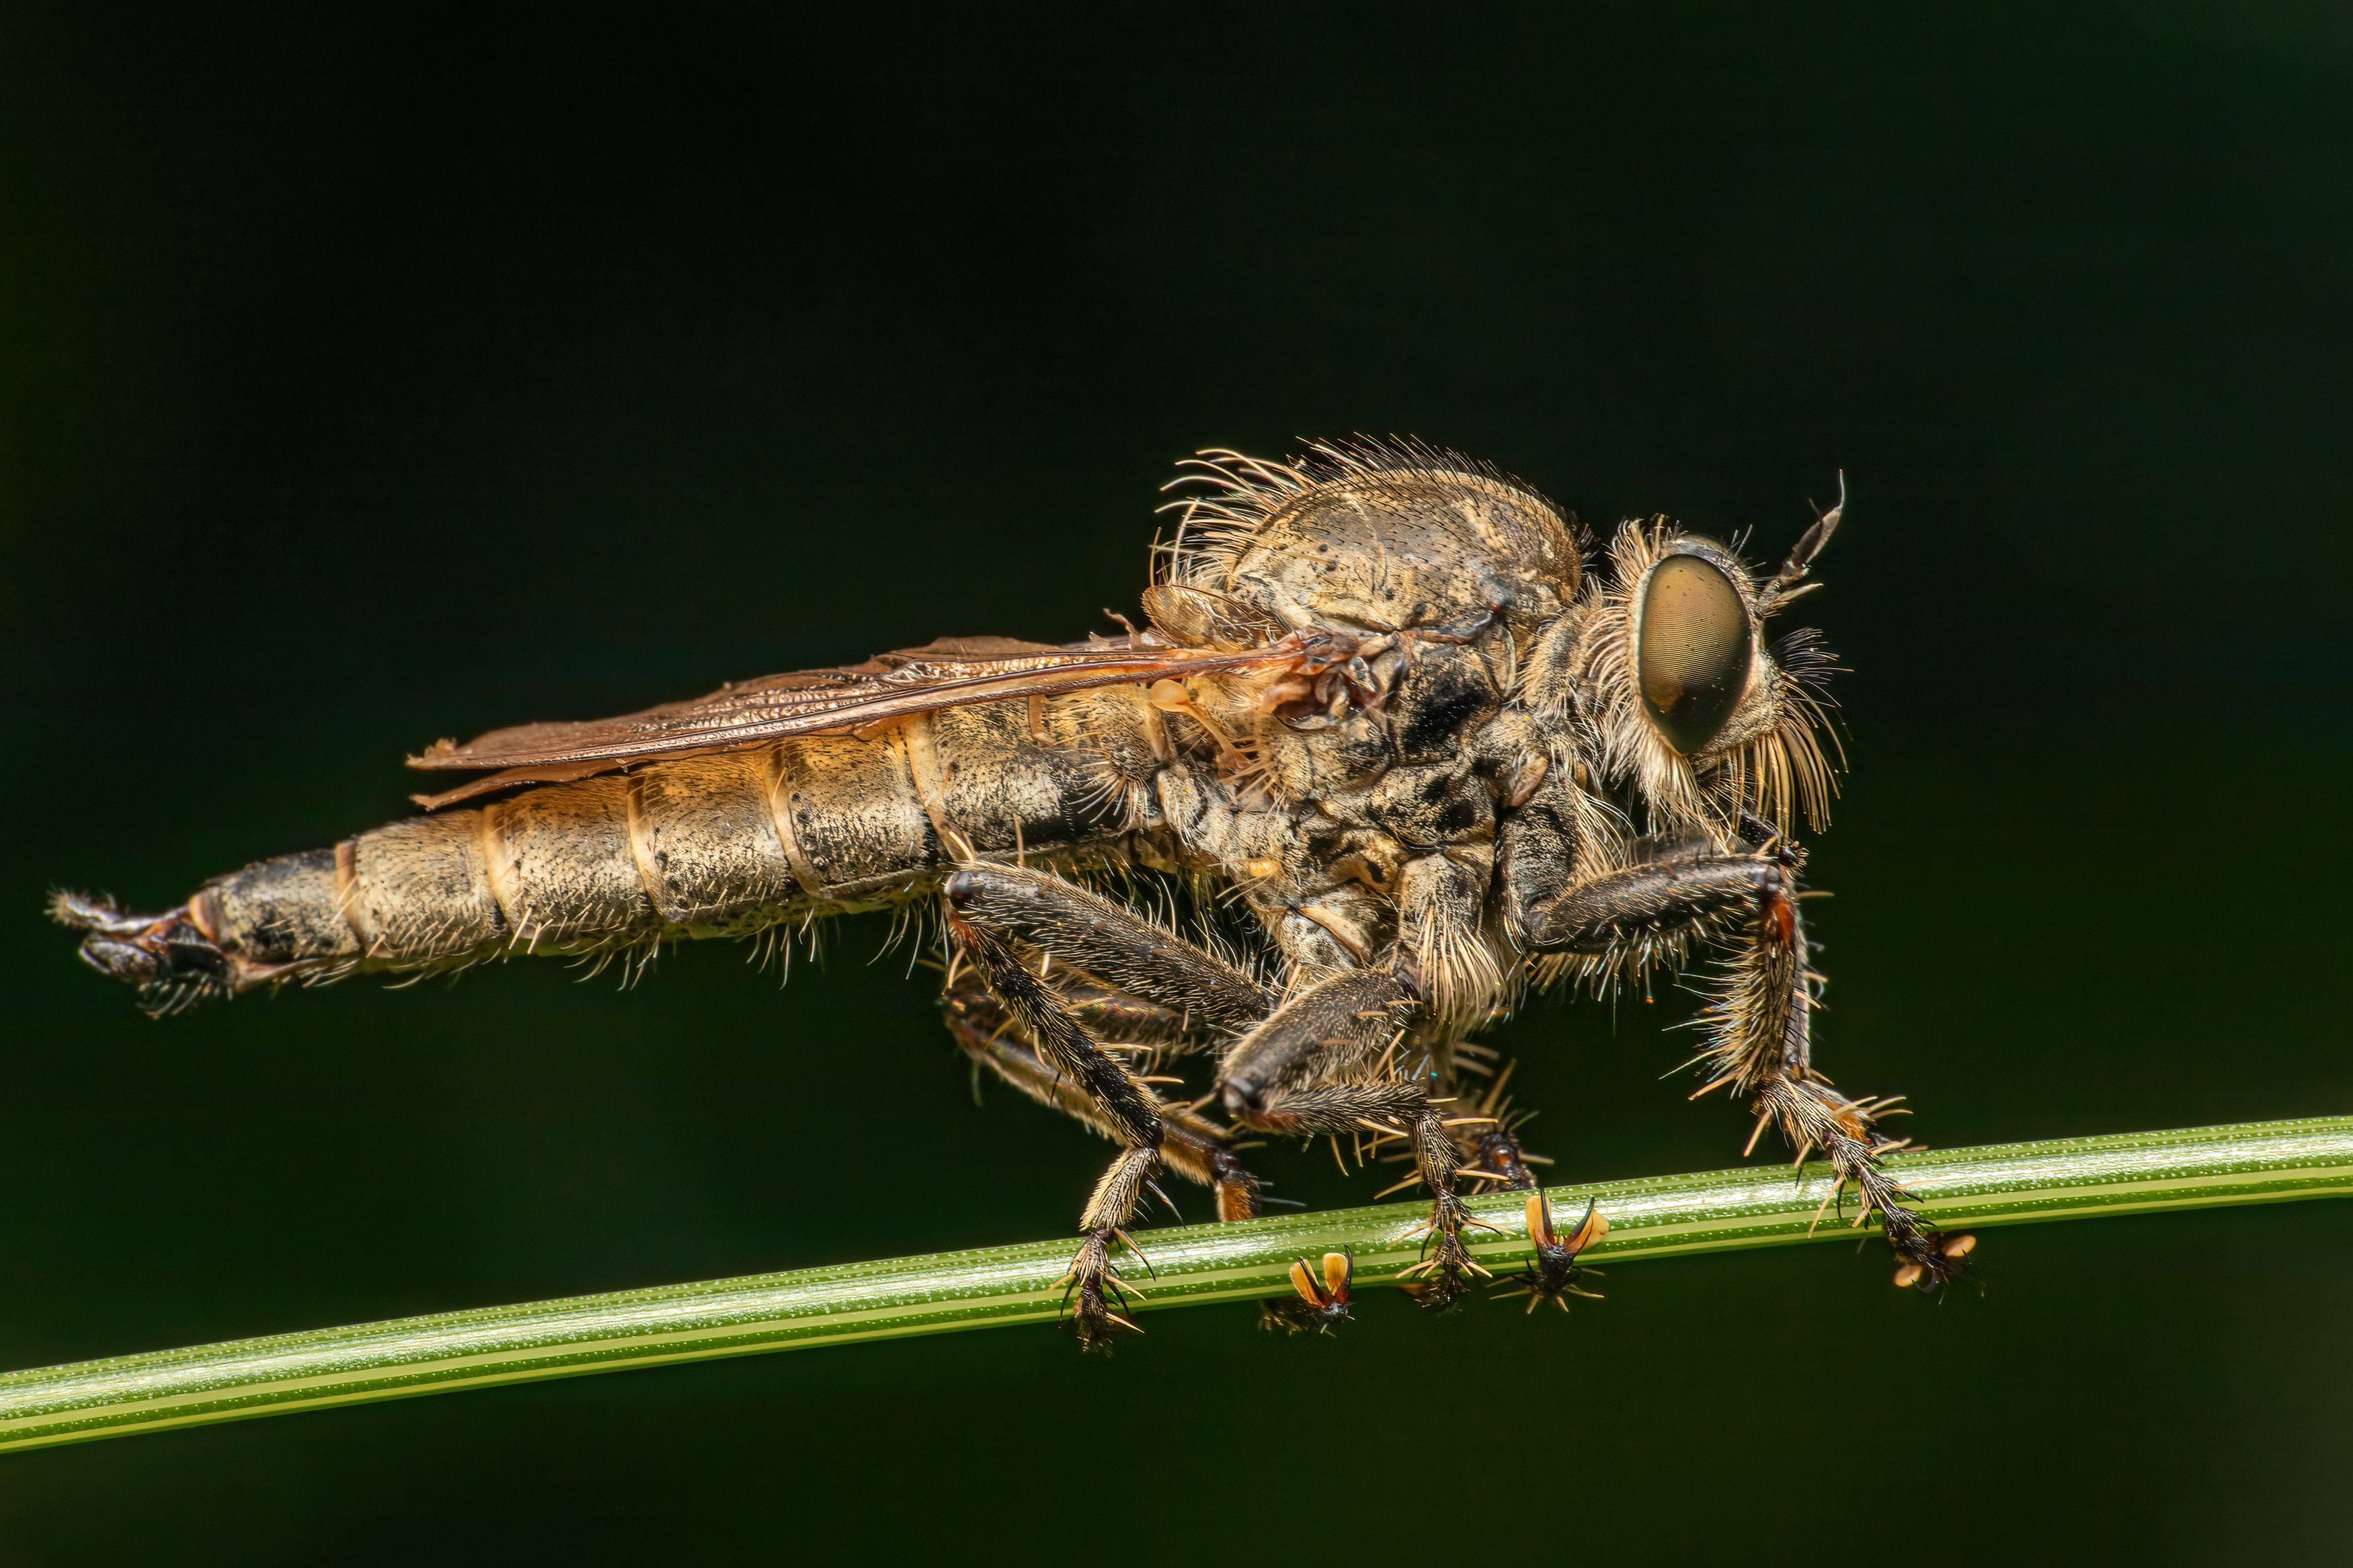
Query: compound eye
point(1696, 650)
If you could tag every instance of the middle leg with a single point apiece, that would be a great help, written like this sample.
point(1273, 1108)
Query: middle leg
point(1322, 1063)
point(1498, 1155)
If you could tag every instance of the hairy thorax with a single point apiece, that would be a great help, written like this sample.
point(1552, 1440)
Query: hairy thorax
point(1360, 799)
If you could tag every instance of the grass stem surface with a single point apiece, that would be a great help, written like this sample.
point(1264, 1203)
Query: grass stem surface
point(1658, 1216)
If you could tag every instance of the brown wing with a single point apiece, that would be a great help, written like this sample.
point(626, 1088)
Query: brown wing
point(946, 674)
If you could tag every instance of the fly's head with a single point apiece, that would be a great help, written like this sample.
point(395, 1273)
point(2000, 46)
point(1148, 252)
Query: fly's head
point(1682, 696)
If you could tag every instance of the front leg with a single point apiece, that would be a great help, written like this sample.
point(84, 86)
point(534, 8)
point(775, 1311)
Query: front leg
point(1759, 1034)
point(1758, 1019)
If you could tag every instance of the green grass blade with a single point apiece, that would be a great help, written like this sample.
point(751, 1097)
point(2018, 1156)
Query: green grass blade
point(1658, 1216)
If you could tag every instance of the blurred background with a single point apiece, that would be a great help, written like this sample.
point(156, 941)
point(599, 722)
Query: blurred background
point(377, 375)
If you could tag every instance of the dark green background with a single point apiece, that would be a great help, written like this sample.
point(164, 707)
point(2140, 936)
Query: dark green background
point(384, 377)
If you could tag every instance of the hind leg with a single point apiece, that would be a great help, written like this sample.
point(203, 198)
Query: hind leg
point(1191, 1146)
point(995, 913)
point(1117, 1103)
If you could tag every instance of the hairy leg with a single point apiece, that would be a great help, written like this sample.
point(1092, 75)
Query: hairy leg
point(1119, 1105)
point(1321, 1064)
point(1758, 1019)
point(1125, 952)
point(1191, 1146)
point(999, 913)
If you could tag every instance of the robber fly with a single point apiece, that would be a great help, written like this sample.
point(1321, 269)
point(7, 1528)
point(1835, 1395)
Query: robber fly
point(1389, 710)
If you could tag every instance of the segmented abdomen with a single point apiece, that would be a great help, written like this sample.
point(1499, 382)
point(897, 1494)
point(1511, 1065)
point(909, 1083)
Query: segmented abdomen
point(718, 844)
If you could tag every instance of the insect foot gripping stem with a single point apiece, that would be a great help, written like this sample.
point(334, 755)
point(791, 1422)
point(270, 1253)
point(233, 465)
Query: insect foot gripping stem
point(1552, 1275)
point(1322, 1299)
point(1444, 1272)
point(171, 964)
point(1093, 1290)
